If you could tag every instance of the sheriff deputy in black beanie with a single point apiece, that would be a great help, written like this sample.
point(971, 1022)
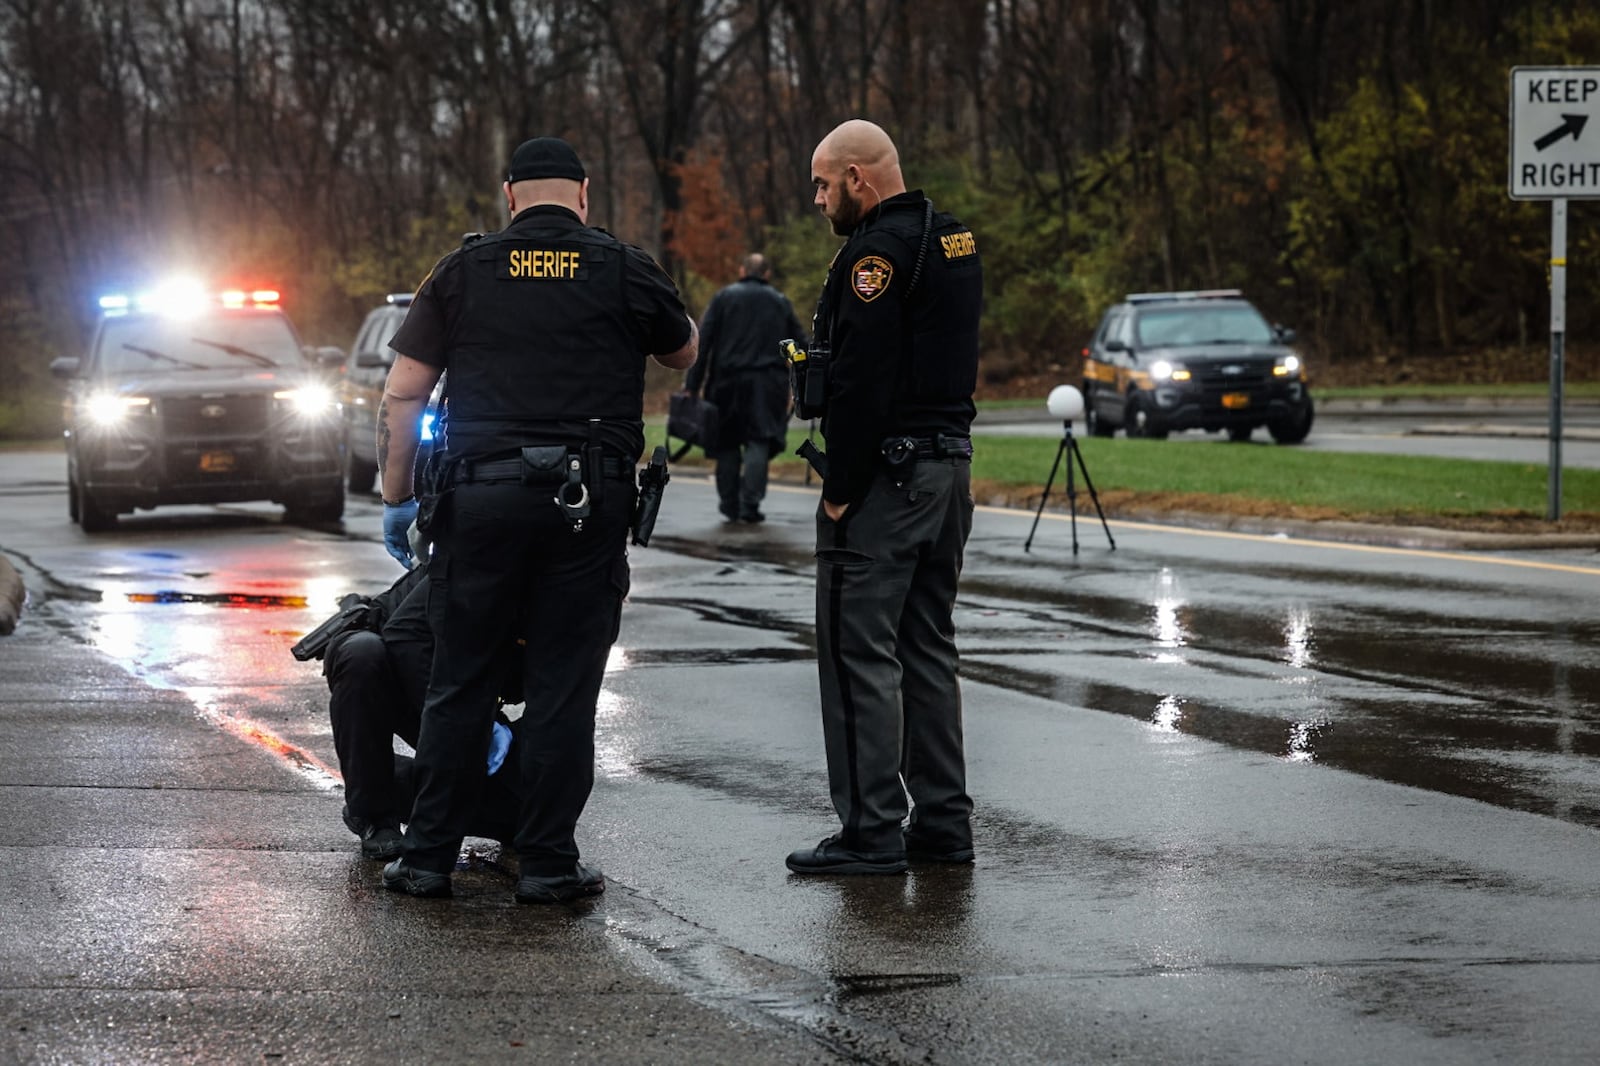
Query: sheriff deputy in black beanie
point(544, 328)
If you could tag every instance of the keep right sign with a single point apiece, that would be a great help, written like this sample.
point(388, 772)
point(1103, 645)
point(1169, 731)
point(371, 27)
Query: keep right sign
point(1555, 138)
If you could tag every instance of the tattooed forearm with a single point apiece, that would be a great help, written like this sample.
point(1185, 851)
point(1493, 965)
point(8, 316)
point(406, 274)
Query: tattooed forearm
point(383, 437)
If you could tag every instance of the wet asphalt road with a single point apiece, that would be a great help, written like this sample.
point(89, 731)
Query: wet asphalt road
point(1507, 430)
point(1240, 799)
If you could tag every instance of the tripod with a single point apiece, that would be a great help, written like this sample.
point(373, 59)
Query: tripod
point(1069, 448)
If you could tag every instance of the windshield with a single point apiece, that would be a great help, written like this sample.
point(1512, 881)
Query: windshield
point(232, 340)
point(1178, 326)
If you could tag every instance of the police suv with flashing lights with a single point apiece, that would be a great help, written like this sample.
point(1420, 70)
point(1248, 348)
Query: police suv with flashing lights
point(1165, 361)
point(193, 397)
point(366, 370)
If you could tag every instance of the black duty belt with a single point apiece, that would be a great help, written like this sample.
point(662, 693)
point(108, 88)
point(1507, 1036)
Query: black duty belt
point(470, 472)
point(938, 446)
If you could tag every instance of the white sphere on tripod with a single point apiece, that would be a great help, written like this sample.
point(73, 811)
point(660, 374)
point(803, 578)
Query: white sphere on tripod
point(1065, 402)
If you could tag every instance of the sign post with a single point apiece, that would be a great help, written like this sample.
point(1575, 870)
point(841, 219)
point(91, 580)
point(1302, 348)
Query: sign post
point(1558, 337)
point(1552, 159)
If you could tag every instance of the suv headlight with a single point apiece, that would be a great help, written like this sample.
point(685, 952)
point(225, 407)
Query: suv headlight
point(1161, 370)
point(107, 409)
point(1287, 366)
point(308, 400)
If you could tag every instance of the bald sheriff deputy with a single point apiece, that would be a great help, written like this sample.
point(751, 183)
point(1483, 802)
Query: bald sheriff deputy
point(544, 328)
point(900, 311)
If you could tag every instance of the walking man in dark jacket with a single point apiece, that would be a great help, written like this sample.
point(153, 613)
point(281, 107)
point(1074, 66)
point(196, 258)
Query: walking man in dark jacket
point(742, 372)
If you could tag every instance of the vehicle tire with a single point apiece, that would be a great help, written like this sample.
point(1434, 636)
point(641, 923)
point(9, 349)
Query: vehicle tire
point(1097, 426)
point(1240, 434)
point(1139, 422)
point(360, 475)
point(315, 510)
point(1294, 429)
point(94, 516)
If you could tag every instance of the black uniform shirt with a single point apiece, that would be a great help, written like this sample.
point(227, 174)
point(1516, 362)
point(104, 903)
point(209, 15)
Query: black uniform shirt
point(904, 359)
point(659, 322)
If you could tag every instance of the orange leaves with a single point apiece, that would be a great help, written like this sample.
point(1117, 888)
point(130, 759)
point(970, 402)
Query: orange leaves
point(708, 230)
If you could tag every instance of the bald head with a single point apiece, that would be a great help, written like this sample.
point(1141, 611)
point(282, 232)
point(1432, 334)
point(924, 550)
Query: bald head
point(862, 143)
point(854, 168)
point(755, 265)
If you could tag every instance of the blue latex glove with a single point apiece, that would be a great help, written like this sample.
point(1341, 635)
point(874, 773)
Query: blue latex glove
point(499, 744)
point(397, 518)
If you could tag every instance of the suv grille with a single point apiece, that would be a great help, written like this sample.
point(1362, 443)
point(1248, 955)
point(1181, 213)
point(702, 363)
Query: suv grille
point(1232, 376)
point(215, 417)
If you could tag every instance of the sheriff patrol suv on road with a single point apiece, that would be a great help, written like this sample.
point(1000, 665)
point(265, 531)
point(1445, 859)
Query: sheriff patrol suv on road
point(188, 397)
point(365, 372)
point(1165, 361)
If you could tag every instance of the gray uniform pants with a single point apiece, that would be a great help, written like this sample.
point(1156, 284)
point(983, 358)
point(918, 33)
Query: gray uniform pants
point(886, 653)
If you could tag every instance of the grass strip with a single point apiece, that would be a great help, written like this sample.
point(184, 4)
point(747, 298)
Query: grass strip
point(1351, 484)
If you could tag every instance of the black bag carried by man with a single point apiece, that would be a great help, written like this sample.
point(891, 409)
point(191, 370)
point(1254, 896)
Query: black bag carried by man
point(692, 420)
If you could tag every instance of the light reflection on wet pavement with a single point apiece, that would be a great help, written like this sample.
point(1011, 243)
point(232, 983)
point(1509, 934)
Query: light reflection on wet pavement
point(1345, 669)
point(1439, 683)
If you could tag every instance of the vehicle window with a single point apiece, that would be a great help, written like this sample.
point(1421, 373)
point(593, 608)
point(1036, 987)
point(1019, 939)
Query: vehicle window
point(1123, 330)
point(364, 338)
point(1177, 326)
point(140, 343)
point(1109, 328)
point(1104, 329)
point(387, 326)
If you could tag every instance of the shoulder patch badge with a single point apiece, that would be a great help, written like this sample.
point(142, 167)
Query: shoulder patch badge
point(870, 277)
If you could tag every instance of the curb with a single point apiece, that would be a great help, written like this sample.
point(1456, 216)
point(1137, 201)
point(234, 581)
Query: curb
point(1424, 537)
point(12, 595)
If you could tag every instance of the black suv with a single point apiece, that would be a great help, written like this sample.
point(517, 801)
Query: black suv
point(1164, 361)
point(365, 372)
point(198, 399)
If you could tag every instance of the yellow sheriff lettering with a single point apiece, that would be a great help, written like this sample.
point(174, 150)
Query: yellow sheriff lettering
point(957, 245)
point(542, 263)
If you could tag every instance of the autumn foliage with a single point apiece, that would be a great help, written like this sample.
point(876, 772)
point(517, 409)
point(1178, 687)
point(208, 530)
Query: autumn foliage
point(1341, 160)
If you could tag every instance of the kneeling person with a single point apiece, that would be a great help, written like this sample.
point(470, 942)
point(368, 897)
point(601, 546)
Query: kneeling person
point(377, 666)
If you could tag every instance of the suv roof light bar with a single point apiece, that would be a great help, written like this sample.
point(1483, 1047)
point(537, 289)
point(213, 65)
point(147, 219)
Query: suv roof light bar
point(399, 299)
point(1196, 294)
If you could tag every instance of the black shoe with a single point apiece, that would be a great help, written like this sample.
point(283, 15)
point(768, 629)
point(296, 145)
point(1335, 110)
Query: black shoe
point(398, 876)
point(559, 888)
point(379, 840)
point(752, 517)
point(832, 857)
point(919, 849)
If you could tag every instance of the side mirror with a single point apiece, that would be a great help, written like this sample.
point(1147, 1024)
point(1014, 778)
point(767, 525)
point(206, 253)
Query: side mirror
point(65, 366)
point(1284, 334)
point(1116, 344)
point(330, 356)
point(370, 359)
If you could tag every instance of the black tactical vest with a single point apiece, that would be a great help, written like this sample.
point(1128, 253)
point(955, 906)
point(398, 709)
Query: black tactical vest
point(543, 342)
